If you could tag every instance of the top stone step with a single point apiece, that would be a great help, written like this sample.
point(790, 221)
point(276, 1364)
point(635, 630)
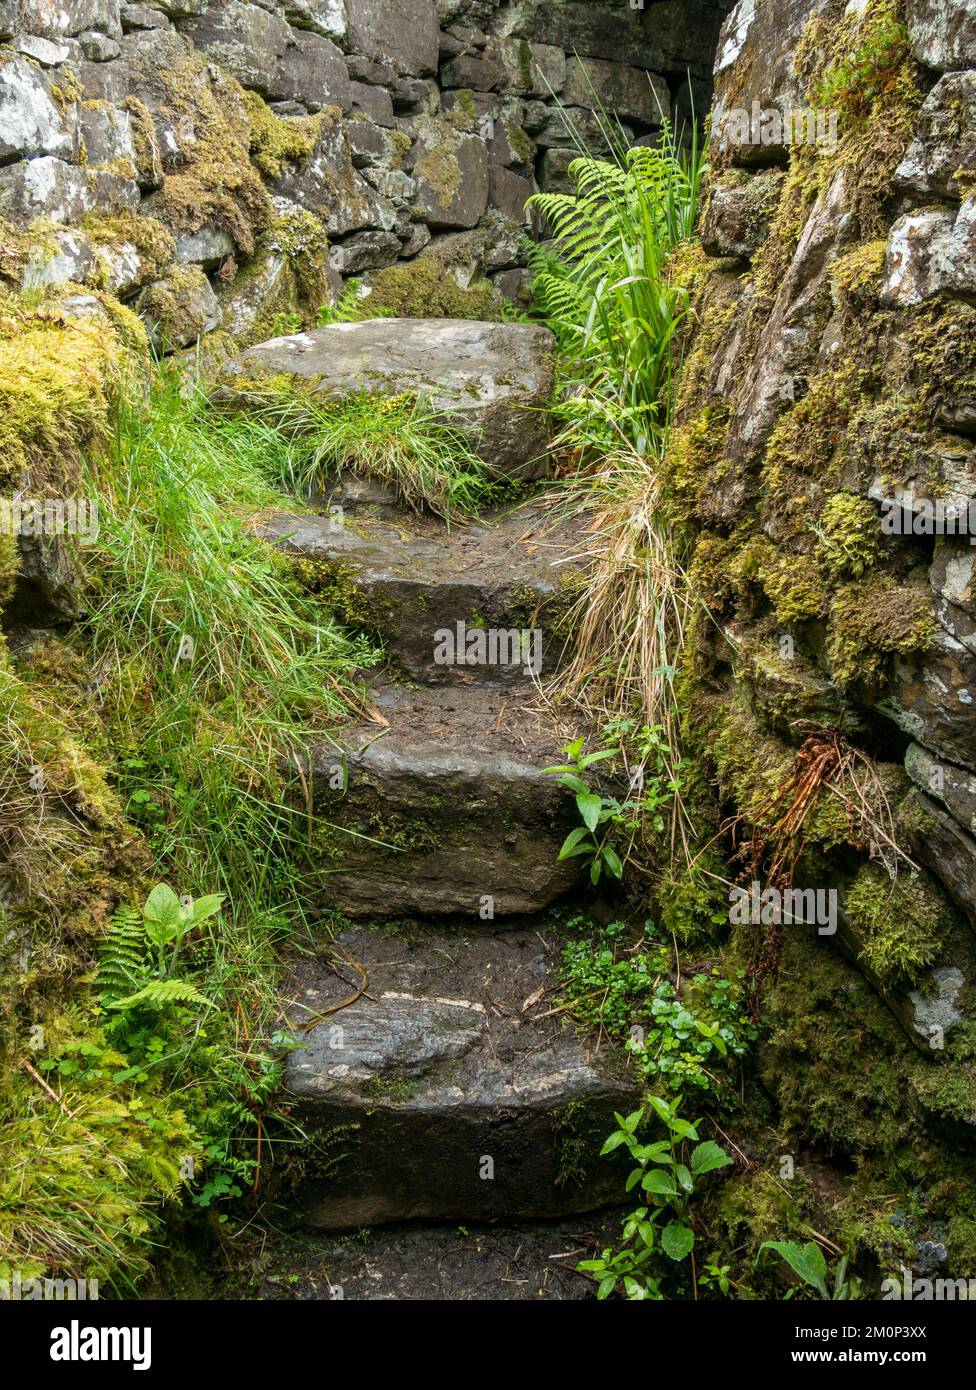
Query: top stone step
point(493, 380)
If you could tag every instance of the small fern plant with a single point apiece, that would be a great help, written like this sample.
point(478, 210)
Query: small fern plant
point(139, 955)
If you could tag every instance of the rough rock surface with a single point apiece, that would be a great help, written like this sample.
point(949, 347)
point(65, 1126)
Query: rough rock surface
point(443, 1068)
point(463, 820)
point(492, 380)
point(404, 580)
point(194, 112)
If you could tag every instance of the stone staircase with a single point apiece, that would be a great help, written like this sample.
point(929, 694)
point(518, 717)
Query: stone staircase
point(431, 1048)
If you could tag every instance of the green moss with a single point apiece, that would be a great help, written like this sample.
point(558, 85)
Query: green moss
point(901, 923)
point(219, 186)
point(172, 305)
point(9, 566)
point(849, 536)
point(862, 66)
point(438, 167)
point(693, 900)
point(855, 277)
point(463, 115)
point(874, 620)
point(153, 241)
point(424, 289)
point(337, 588)
point(693, 458)
point(795, 587)
point(300, 236)
point(58, 379)
point(274, 141)
point(835, 1059)
point(811, 450)
point(520, 143)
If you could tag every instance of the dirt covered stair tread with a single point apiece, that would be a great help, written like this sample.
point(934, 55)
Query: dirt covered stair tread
point(469, 1096)
point(446, 810)
point(441, 1262)
point(406, 578)
point(466, 727)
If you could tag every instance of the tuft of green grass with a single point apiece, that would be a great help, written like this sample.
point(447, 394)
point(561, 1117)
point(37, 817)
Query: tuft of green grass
point(400, 440)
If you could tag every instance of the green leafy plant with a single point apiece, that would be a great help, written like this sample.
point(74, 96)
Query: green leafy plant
point(602, 815)
point(146, 951)
point(684, 1040)
point(604, 289)
point(666, 1176)
point(809, 1264)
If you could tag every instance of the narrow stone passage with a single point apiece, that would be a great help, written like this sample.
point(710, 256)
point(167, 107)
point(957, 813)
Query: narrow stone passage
point(449, 1079)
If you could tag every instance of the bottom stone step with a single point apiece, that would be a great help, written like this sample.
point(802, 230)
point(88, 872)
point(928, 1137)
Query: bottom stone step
point(449, 1089)
point(528, 1261)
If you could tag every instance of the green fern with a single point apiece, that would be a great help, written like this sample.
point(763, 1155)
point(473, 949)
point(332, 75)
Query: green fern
point(123, 958)
point(350, 307)
point(159, 994)
point(604, 287)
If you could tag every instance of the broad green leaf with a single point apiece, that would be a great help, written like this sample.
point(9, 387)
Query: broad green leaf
point(677, 1240)
point(684, 1177)
point(205, 907)
point(616, 1139)
point(707, 1156)
point(589, 807)
point(572, 841)
point(807, 1261)
point(658, 1182)
point(612, 861)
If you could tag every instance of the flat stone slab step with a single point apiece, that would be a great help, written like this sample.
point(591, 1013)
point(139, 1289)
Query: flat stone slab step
point(444, 812)
point(493, 380)
point(480, 601)
point(454, 1092)
point(529, 1261)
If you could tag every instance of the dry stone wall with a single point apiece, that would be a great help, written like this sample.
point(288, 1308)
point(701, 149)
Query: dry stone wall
point(221, 164)
point(824, 460)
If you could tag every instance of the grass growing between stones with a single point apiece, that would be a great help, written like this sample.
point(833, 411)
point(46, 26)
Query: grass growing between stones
point(399, 440)
point(152, 743)
point(609, 294)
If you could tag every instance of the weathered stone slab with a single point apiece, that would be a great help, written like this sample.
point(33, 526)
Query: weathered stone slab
point(458, 816)
point(404, 581)
point(754, 63)
point(52, 19)
point(444, 1070)
point(327, 184)
point(945, 138)
point(631, 93)
point(48, 187)
point(939, 842)
point(932, 697)
point(30, 121)
point(403, 33)
point(666, 36)
point(954, 787)
point(451, 171)
point(258, 48)
point(739, 211)
point(942, 32)
point(532, 69)
point(493, 380)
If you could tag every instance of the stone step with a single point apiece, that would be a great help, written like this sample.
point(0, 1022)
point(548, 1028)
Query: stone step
point(486, 600)
point(494, 381)
point(454, 1096)
point(521, 1261)
point(444, 812)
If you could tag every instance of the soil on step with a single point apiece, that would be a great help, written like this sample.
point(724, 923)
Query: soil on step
point(441, 1263)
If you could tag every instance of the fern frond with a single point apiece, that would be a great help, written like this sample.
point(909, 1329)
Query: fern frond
point(123, 963)
point(160, 993)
